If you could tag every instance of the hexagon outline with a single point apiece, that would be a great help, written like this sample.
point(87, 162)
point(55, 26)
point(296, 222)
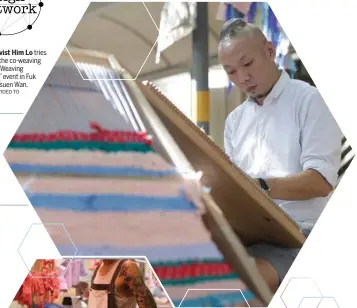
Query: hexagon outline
point(43, 224)
point(331, 297)
point(188, 290)
point(141, 67)
point(301, 278)
point(321, 298)
point(311, 297)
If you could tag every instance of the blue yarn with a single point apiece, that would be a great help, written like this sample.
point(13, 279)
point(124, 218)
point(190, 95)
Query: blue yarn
point(155, 254)
point(90, 170)
point(109, 202)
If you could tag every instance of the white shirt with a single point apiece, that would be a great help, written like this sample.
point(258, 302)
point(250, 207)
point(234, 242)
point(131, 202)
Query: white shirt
point(293, 131)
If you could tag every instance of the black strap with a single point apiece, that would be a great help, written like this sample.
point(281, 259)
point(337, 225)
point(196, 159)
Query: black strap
point(115, 275)
point(98, 287)
point(110, 288)
point(95, 272)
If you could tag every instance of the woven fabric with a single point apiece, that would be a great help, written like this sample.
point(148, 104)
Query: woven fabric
point(115, 197)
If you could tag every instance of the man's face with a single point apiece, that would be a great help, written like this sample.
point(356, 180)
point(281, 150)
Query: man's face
point(248, 63)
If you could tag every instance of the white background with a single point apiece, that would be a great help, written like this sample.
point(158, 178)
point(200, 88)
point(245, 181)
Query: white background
point(323, 34)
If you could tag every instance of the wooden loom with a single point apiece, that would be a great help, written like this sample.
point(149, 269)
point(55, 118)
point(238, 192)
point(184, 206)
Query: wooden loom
point(255, 218)
point(251, 213)
point(165, 143)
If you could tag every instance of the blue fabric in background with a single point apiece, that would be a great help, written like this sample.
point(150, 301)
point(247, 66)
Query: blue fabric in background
point(273, 27)
point(231, 12)
point(252, 12)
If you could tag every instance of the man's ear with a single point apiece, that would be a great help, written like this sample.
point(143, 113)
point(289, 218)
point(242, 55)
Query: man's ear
point(270, 50)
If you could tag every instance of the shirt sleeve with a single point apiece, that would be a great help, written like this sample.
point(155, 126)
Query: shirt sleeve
point(228, 148)
point(320, 140)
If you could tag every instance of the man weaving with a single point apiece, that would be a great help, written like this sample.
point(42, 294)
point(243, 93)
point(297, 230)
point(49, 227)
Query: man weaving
point(283, 135)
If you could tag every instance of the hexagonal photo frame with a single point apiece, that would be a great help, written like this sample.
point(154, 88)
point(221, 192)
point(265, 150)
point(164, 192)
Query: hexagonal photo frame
point(92, 203)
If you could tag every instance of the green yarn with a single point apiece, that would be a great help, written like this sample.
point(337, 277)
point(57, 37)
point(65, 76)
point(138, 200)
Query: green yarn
point(192, 280)
point(185, 262)
point(82, 145)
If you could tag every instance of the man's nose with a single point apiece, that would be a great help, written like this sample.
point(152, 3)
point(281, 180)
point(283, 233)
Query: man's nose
point(243, 77)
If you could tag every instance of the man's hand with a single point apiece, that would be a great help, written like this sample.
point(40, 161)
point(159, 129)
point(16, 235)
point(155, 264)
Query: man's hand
point(136, 284)
point(305, 185)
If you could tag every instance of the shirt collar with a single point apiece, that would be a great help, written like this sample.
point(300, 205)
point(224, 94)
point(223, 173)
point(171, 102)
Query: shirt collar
point(277, 89)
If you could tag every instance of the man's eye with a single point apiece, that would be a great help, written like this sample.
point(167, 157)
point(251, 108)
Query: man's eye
point(231, 72)
point(248, 63)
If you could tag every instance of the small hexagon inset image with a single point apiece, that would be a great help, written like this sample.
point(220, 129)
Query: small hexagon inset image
point(133, 28)
point(82, 282)
point(299, 288)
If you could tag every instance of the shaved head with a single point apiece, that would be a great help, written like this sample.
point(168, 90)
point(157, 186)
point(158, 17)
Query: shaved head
point(237, 28)
point(248, 58)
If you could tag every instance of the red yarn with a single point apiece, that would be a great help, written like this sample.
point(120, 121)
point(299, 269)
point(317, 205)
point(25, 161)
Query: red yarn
point(40, 286)
point(100, 135)
point(194, 270)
